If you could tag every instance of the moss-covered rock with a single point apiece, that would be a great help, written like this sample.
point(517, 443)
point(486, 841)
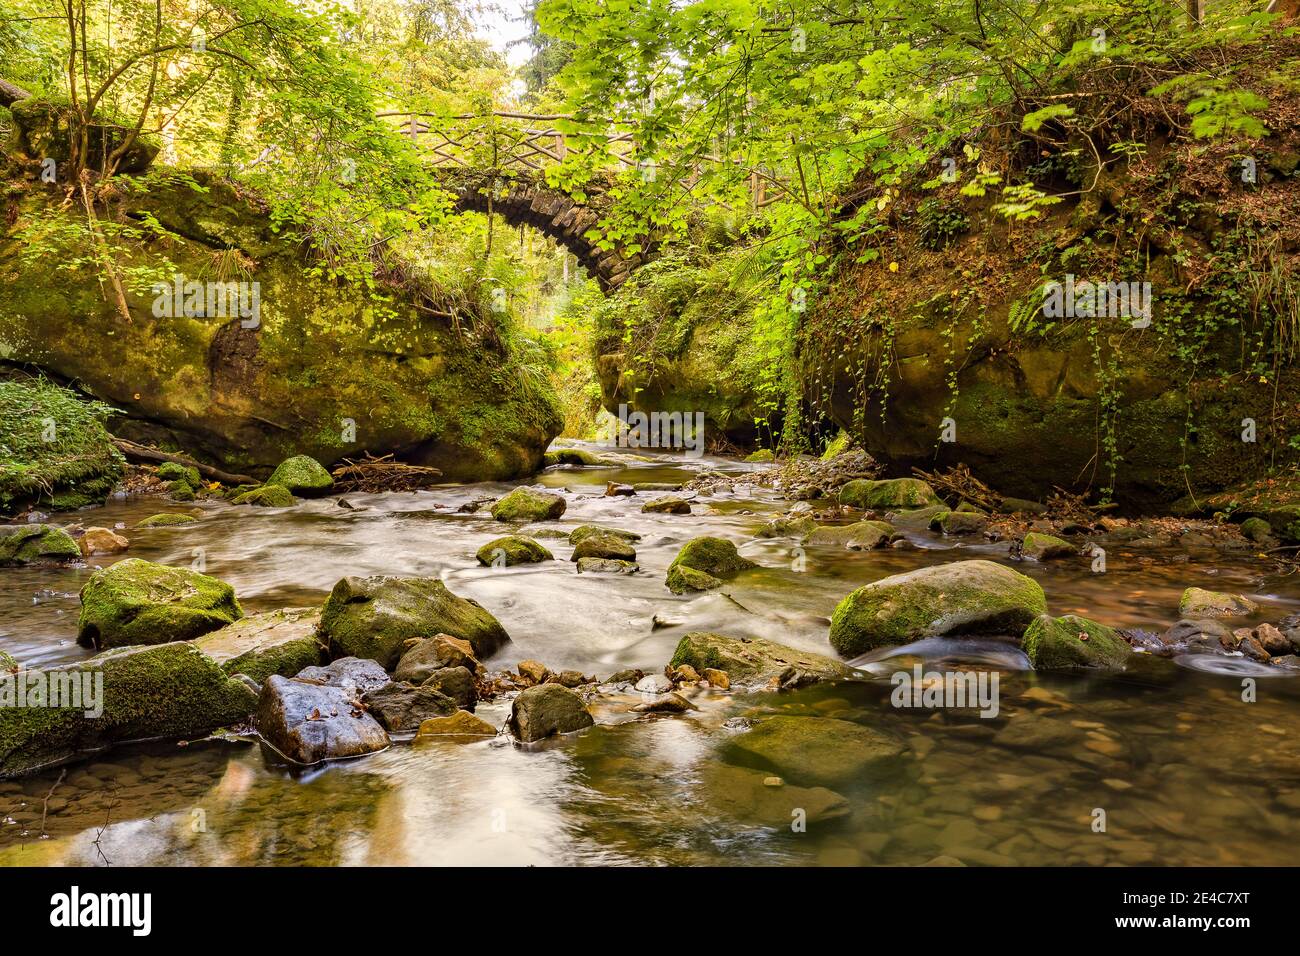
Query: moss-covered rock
point(36, 544)
point(332, 369)
point(166, 520)
point(54, 448)
point(761, 456)
point(792, 526)
point(702, 561)
point(582, 531)
point(602, 544)
point(267, 496)
point(274, 642)
point(818, 751)
point(749, 661)
point(1257, 530)
point(43, 129)
point(956, 598)
point(529, 504)
point(606, 566)
point(887, 493)
point(510, 550)
point(859, 536)
point(667, 505)
point(303, 476)
point(1047, 547)
point(374, 617)
point(164, 691)
point(174, 471)
point(1198, 602)
point(681, 579)
point(139, 602)
point(1070, 642)
point(181, 491)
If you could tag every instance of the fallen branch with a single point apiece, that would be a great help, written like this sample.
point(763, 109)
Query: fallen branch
point(136, 452)
point(383, 474)
point(959, 481)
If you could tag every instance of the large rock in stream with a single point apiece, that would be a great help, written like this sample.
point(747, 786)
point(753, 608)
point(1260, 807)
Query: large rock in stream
point(753, 660)
point(818, 751)
point(1072, 643)
point(326, 368)
point(163, 691)
point(309, 723)
point(546, 710)
point(962, 597)
point(139, 602)
point(274, 642)
point(374, 617)
point(36, 544)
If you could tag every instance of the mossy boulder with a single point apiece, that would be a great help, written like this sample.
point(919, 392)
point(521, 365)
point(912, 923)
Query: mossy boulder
point(510, 550)
point(529, 504)
point(139, 602)
point(333, 368)
point(681, 579)
point(43, 129)
point(791, 526)
point(374, 617)
point(667, 505)
point(1047, 547)
point(607, 566)
point(54, 448)
point(1198, 602)
point(859, 536)
point(582, 531)
point(755, 660)
point(274, 642)
point(174, 471)
point(1257, 530)
point(761, 456)
point(166, 520)
point(302, 475)
point(887, 493)
point(164, 691)
point(601, 544)
point(701, 563)
point(1071, 642)
point(36, 544)
point(267, 496)
point(818, 751)
point(963, 597)
point(181, 491)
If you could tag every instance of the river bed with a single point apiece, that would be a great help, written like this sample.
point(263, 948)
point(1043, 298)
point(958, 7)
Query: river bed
point(1184, 770)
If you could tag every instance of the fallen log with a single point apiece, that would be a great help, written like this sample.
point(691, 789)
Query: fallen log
point(143, 453)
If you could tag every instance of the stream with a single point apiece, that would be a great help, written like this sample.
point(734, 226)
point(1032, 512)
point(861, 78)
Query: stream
point(1184, 770)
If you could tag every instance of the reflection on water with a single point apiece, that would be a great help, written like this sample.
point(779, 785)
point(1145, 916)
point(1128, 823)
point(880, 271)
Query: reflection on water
point(1185, 771)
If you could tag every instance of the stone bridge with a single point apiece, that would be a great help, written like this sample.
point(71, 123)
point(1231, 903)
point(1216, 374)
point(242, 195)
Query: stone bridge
point(526, 200)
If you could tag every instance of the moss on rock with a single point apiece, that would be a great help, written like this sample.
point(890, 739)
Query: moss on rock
point(887, 493)
point(302, 475)
point(512, 549)
point(267, 496)
point(528, 504)
point(36, 544)
point(1047, 547)
point(859, 536)
point(754, 660)
point(166, 520)
point(374, 617)
point(955, 598)
point(165, 691)
point(1071, 642)
point(139, 602)
point(681, 579)
point(274, 642)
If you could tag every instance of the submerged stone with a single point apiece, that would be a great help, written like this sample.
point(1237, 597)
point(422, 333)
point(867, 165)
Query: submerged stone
point(818, 751)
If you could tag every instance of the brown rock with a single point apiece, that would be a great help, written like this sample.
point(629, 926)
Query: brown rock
point(1272, 640)
point(431, 654)
point(462, 724)
point(102, 541)
point(535, 671)
point(717, 678)
point(686, 673)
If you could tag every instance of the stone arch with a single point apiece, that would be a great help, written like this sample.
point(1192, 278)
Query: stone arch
point(524, 201)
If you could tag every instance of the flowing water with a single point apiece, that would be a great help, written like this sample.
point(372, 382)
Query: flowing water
point(1182, 770)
